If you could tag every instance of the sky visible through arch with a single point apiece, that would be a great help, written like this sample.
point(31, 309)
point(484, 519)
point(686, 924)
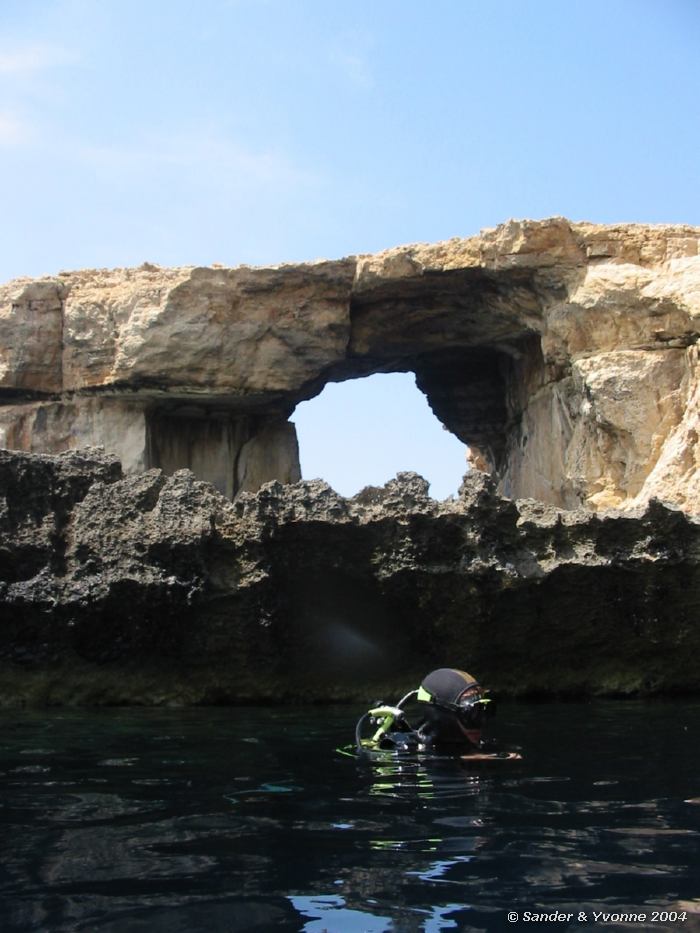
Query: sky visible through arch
point(264, 131)
point(391, 419)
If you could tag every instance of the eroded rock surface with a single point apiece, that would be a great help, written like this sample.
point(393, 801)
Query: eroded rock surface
point(564, 354)
point(148, 588)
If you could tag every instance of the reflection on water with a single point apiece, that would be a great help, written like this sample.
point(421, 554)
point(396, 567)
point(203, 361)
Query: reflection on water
point(329, 912)
point(247, 820)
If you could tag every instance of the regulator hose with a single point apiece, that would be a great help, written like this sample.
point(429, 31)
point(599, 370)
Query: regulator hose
point(358, 731)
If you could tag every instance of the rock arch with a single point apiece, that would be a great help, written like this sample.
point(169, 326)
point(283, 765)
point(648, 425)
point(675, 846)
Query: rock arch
point(562, 354)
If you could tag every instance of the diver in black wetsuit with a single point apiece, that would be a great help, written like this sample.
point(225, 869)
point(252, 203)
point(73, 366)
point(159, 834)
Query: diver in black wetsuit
point(452, 706)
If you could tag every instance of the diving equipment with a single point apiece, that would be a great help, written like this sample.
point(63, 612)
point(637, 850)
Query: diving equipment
point(452, 703)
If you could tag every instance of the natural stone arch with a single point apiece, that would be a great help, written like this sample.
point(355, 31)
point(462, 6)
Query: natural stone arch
point(521, 339)
point(472, 340)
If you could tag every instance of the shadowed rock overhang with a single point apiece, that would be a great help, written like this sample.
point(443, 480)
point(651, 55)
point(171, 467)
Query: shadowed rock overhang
point(154, 589)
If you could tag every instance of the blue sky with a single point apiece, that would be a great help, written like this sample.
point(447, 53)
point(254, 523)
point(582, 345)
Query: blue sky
point(264, 131)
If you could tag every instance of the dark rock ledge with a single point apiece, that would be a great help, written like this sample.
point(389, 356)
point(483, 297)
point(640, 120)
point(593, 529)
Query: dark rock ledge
point(151, 589)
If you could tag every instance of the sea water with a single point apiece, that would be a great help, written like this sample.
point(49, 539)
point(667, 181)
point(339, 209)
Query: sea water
point(249, 819)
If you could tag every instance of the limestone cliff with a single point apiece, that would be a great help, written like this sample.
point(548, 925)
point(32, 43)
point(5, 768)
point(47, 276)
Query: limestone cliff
point(154, 589)
point(564, 354)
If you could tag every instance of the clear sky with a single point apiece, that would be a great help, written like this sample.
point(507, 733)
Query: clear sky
point(264, 131)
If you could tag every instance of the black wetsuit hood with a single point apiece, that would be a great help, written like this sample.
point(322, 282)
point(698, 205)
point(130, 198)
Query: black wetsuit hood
point(447, 684)
point(438, 696)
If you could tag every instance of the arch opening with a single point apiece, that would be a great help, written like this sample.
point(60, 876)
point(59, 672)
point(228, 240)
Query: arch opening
point(363, 431)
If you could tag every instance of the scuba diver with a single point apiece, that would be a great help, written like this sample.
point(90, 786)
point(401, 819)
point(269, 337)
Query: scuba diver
point(452, 706)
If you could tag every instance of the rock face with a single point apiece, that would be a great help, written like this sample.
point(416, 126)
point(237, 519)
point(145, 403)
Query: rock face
point(148, 588)
point(563, 354)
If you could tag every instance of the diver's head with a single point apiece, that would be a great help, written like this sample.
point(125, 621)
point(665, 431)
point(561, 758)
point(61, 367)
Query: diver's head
point(454, 706)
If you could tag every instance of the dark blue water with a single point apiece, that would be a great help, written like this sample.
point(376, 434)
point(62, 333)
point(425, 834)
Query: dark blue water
point(248, 820)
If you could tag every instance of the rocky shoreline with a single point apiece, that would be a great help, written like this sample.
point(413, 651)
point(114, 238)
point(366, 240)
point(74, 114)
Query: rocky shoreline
point(154, 589)
point(157, 545)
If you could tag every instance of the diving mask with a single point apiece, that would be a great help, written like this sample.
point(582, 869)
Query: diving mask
point(472, 707)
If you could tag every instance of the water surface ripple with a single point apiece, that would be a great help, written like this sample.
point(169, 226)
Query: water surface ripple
point(249, 820)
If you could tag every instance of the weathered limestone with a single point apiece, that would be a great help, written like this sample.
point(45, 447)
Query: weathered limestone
point(31, 336)
point(119, 425)
point(170, 368)
point(563, 354)
point(234, 454)
point(152, 589)
point(271, 452)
